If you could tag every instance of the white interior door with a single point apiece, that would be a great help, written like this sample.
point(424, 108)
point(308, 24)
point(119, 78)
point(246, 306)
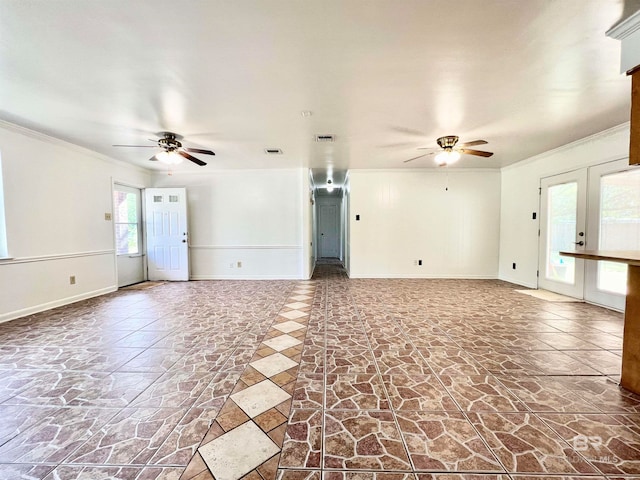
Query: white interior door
point(167, 233)
point(562, 227)
point(328, 231)
point(613, 224)
point(127, 221)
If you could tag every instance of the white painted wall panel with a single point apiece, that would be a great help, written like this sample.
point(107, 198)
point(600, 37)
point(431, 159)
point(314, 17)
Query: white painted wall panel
point(256, 217)
point(56, 197)
point(409, 215)
point(520, 183)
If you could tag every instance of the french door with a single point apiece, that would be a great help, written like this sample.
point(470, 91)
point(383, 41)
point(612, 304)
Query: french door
point(595, 208)
point(563, 200)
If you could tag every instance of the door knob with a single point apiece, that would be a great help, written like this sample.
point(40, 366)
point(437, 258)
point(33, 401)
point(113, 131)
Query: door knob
point(581, 243)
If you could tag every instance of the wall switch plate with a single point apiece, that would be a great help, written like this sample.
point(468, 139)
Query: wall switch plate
point(239, 264)
point(534, 215)
point(357, 217)
point(420, 262)
point(107, 216)
point(72, 280)
point(513, 265)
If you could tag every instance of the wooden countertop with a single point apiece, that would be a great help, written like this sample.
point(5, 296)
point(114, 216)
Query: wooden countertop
point(630, 257)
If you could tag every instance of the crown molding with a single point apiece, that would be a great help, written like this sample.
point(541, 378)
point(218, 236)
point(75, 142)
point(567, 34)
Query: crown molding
point(582, 141)
point(43, 137)
point(626, 27)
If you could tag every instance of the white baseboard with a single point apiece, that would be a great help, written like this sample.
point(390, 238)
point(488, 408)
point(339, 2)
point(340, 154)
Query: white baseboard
point(426, 276)
point(248, 277)
point(5, 317)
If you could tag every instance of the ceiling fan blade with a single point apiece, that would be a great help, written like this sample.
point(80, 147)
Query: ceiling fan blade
point(154, 158)
point(195, 160)
point(427, 148)
point(419, 156)
point(198, 150)
point(479, 153)
point(136, 146)
point(471, 144)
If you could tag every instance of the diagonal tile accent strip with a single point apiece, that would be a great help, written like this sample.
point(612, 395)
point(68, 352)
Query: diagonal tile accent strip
point(250, 449)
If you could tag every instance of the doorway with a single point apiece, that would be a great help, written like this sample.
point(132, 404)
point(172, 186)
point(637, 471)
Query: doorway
point(167, 234)
point(130, 258)
point(594, 208)
point(328, 231)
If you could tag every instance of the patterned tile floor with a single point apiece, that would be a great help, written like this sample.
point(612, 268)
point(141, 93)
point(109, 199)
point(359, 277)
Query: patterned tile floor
point(328, 379)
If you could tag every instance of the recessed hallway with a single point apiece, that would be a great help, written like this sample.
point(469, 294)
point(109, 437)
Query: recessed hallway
point(410, 377)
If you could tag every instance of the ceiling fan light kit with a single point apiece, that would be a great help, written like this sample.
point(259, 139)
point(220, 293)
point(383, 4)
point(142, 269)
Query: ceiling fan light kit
point(447, 157)
point(168, 157)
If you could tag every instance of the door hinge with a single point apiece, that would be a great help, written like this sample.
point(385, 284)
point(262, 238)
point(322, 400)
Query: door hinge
point(538, 273)
point(539, 190)
point(538, 232)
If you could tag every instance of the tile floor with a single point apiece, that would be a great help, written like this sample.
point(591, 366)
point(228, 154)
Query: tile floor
point(328, 379)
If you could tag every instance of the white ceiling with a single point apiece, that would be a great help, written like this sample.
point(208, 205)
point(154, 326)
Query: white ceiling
point(383, 76)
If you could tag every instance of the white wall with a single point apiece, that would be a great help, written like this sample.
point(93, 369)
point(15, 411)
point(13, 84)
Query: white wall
point(257, 217)
point(408, 215)
point(56, 196)
point(520, 197)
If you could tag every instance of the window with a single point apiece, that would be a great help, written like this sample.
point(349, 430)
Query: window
point(4, 250)
point(126, 220)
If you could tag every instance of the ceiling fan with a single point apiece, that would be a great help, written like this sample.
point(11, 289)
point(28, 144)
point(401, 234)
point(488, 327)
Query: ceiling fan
point(172, 150)
point(451, 150)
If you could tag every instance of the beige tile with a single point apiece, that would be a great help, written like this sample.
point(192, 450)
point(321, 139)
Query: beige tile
point(259, 398)
point(288, 327)
point(237, 452)
point(282, 342)
point(297, 305)
point(293, 314)
point(273, 364)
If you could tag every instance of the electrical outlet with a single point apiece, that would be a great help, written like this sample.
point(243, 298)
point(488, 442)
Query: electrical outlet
point(239, 264)
point(513, 265)
point(72, 280)
point(107, 216)
point(420, 262)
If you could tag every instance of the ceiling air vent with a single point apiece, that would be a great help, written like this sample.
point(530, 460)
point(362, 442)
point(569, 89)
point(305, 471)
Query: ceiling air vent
point(273, 151)
point(325, 138)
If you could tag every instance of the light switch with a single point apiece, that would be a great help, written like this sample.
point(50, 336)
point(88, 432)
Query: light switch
point(107, 216)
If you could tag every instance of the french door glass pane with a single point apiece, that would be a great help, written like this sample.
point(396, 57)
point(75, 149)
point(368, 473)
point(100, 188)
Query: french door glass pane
point(126, 223)
point(126, 239)
point(619, 225)
point(561, 231)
